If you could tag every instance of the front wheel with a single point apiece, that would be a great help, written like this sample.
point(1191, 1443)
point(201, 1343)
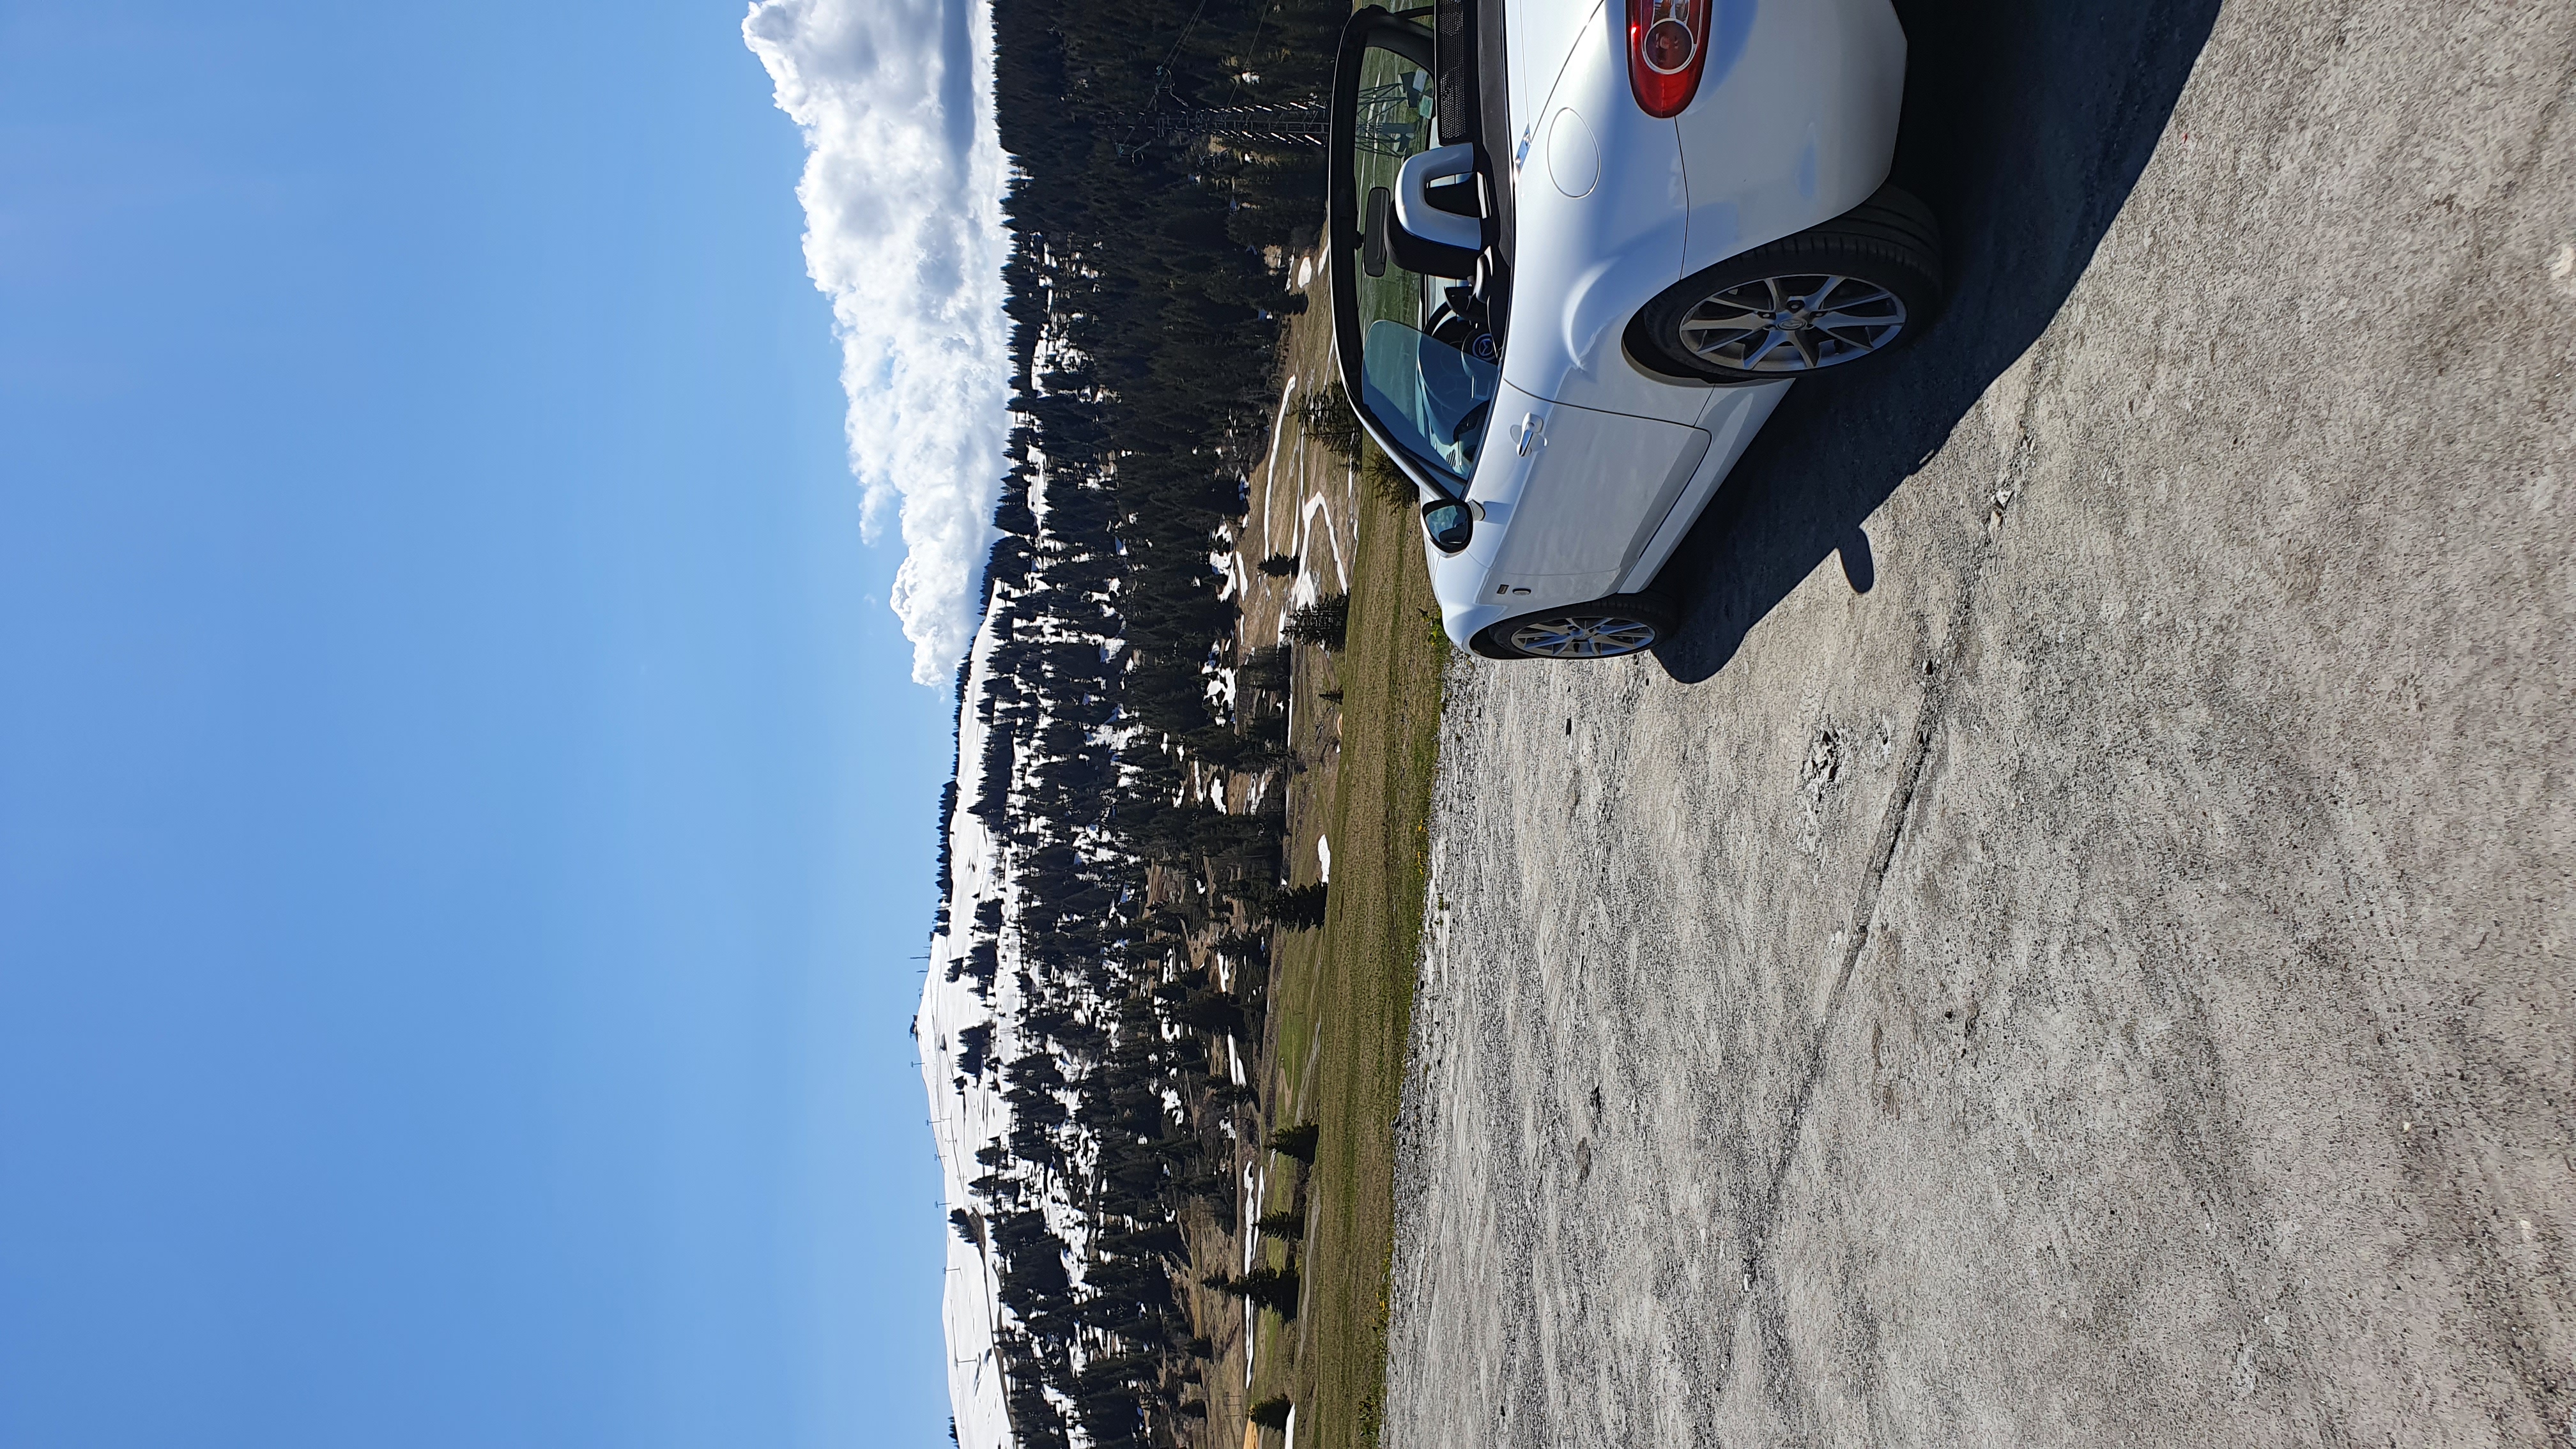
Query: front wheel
point(1832, 295)
point(1603, 629)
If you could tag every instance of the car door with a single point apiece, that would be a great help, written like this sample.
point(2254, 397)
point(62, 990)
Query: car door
point(1572, 494)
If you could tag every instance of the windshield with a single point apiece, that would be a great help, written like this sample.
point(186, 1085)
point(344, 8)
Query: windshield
point(1394, 125)
point(1412, 329)
point(1423, 388)
point(1436, 398)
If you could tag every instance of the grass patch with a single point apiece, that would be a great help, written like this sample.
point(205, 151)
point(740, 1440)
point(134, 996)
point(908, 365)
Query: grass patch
point(1342, 997)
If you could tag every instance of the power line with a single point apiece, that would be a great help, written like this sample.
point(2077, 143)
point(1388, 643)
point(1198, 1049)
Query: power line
point(1294, 123)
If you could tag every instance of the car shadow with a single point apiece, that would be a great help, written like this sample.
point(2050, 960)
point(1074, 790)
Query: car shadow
point(2026, 124)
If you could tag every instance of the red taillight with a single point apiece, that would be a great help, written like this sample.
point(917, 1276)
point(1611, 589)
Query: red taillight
point(1667, 43)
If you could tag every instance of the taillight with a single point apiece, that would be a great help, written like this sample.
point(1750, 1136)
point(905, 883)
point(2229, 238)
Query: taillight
point(1667, 42)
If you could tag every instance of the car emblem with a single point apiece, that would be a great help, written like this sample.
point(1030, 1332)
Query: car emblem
point(1525, 435)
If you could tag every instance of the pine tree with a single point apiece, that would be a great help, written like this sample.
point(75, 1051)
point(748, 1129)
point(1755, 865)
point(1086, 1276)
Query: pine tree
point(1299, 908)
point(1326, 622)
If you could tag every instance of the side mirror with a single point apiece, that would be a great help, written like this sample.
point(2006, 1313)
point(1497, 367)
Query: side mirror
point(1449, 522)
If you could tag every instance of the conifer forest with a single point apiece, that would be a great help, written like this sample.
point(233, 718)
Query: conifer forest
point(1107, 691)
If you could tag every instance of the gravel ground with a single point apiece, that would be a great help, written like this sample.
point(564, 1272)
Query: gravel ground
point(2072, 947)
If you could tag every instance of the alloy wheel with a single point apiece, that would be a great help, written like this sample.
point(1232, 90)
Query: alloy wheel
point(1582, 636)
point(1792, 324)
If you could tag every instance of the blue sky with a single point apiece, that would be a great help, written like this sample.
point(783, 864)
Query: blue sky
point(464, 818)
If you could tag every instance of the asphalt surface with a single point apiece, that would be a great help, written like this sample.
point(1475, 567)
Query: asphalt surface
point(2072, 946)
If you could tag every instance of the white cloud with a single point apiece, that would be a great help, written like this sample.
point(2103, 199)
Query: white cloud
point(903, 231)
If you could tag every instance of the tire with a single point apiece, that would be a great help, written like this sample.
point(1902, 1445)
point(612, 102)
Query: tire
point(1633, 623)
point(1858, 286)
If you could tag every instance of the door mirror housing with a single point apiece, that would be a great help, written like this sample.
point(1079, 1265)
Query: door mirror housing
point(1449, 523)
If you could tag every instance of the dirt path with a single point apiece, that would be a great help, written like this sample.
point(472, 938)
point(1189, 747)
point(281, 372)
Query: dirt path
point(2073, 946)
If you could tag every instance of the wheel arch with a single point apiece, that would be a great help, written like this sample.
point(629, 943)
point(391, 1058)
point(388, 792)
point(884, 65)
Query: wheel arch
point(1799, 128)
point(1794, 125)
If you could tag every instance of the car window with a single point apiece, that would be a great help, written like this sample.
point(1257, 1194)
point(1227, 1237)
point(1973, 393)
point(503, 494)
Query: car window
point(1436, 398)
point(1415, 383)
point(1395, 109)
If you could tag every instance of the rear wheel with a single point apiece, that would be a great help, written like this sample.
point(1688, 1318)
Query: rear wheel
point(1832, 295)
point(1603, 629)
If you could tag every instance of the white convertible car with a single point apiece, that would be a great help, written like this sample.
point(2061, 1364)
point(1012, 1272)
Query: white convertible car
point(1578, 253)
